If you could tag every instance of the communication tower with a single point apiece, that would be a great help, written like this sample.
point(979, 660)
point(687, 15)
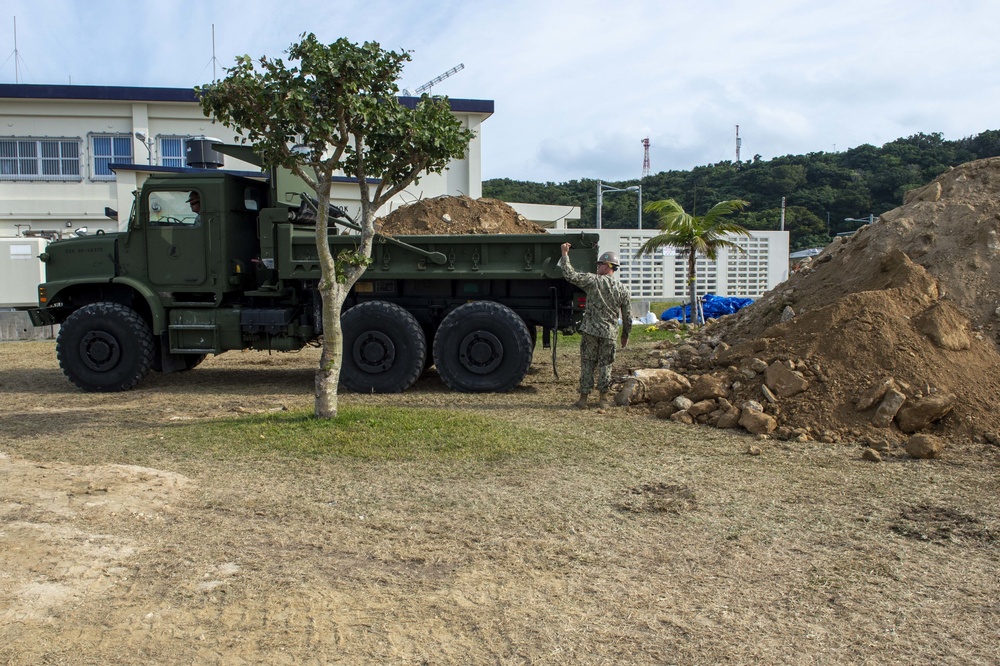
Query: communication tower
point(430, 84)
point(645, 157)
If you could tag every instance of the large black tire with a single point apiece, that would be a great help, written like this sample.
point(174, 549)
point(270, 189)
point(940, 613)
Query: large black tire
point(192, 361)
point(384, 348)
point(105, 347)
point(482, 347)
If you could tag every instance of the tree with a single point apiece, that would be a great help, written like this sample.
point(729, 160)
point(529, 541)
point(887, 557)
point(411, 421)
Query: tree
point(705, 234)
point(336, 110)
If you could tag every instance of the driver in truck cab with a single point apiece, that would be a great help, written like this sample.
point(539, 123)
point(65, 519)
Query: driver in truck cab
point(194, 199)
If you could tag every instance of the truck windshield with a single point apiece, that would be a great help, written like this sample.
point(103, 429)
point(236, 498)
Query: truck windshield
point(168, 208)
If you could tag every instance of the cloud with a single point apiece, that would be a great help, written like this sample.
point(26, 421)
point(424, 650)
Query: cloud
point(577, 84)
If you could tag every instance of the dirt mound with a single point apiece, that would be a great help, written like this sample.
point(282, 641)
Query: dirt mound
point(898, 317)
point(456, 215)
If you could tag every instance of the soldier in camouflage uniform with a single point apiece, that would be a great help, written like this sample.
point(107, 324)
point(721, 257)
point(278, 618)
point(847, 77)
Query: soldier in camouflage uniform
point(607, 300)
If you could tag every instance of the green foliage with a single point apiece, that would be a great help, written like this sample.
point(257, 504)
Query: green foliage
point(694, 234)
point(366, 433)
point(821, 189)
point(334, 107)
point(705, 234)
point(349, 258)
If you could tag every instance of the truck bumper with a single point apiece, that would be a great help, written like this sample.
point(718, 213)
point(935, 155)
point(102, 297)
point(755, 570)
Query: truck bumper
point(46, 316)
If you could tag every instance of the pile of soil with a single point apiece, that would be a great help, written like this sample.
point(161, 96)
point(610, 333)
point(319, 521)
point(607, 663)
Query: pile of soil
point(908, 304)
point(455, 215)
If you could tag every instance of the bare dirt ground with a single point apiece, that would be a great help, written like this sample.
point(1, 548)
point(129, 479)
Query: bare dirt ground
point(619, 539)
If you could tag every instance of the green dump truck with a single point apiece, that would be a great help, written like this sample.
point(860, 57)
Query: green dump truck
point(241, 271)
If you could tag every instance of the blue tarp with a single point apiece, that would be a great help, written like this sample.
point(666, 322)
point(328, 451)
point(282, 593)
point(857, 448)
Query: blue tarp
point(712, 306)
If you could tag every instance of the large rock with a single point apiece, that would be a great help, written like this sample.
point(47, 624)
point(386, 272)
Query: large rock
point(888, 408)
point(874, 393)
point(757, 423)
point(915, 415)
point(682, 402)
point(730, 419)
point(924, 445)
point(708, 387)
point(783, 381)
point(702, 407)
point(662, 385)
point(682, 417)
point(945, 326)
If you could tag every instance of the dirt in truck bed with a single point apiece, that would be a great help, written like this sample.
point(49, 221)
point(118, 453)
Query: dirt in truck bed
point(456, 215)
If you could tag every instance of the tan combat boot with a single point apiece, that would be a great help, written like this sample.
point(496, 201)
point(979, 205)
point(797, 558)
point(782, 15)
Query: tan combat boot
point(605, 401)
point(582, 402)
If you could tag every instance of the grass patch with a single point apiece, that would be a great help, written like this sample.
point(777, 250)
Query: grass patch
point(366, 433)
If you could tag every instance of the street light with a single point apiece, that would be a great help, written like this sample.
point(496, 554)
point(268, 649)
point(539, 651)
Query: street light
point(148, 143)
point(602, 188)
point(867, 220)
point(864, 220)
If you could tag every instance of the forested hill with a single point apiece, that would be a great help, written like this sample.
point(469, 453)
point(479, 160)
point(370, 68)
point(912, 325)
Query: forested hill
point(821, 190)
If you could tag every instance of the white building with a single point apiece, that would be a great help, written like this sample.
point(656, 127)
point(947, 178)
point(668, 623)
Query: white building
point(57, 142)
point(760, 266)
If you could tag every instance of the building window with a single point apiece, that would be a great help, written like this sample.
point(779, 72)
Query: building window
point(110, 149)
point(39, 159)
point(172, 151)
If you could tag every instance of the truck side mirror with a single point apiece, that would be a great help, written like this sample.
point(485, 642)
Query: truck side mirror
point(250, 200)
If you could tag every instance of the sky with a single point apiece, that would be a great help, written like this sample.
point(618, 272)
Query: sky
point(577, 85)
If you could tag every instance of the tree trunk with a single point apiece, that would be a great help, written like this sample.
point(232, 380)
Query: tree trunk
point(692, 255)
point(328, 372)
point(332, 295)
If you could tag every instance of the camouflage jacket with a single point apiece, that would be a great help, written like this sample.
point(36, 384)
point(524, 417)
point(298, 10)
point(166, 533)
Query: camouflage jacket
point(607, 301)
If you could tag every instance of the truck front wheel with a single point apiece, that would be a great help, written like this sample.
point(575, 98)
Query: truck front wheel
point(384, 348)
point(482, 347)
point(105, 347)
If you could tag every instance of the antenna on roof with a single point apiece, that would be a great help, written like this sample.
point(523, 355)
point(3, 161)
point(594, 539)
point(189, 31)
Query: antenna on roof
point(214, 59)
point(16, 55)
point(430, 84)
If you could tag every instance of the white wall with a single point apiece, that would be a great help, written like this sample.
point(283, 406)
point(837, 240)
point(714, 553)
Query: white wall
point(663, 277)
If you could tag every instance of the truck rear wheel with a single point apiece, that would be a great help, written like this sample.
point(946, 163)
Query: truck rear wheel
point(482, 347)
point(105, 347)
point(384, 348)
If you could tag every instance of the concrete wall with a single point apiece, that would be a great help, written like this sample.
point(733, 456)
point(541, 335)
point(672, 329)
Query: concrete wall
point(15, 325)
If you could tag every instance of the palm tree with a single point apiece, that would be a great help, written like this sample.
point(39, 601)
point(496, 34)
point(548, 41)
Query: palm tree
point(704, 234)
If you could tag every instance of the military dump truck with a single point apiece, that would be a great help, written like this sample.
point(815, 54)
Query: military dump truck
point(241, 272)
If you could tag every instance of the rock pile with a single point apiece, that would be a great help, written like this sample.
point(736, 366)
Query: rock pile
point(888, 338)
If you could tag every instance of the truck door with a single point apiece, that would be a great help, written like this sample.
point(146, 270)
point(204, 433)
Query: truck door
point(176, 245)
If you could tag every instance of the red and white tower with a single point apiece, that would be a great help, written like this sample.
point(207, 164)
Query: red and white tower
point(645, 157)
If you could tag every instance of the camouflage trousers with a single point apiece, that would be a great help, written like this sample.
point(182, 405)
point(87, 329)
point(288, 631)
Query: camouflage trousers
point(596, 356)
